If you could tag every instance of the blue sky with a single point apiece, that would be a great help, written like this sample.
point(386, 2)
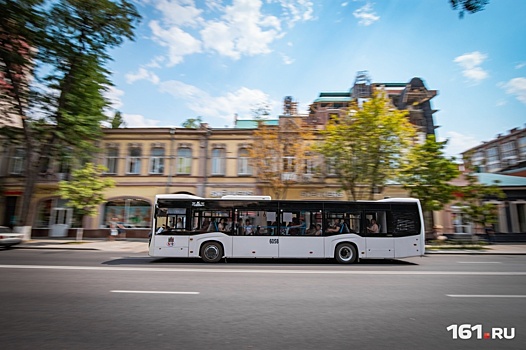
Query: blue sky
point(217, 58)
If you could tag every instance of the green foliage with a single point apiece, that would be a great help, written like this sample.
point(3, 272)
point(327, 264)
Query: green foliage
point(85, 192)
point(469, 6)
point(117, 121)
point(427, 173)
point(63, 45)
point(278, 154)
point(366, 146)
point(192, 123)
point(260, 111)
point(475, 201)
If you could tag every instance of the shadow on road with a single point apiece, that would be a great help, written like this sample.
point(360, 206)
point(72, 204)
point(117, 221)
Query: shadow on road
point(253, 262)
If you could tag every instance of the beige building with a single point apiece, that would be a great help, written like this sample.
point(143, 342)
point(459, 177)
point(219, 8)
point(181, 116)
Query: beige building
point(207, 162)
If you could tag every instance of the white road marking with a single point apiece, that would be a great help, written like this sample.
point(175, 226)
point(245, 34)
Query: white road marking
point(265, 271)
point(484, 296)
point(151, 292)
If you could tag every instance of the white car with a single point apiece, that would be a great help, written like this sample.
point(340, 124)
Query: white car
point(9, 238)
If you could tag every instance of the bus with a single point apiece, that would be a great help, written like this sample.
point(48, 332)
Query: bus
point(187, 226)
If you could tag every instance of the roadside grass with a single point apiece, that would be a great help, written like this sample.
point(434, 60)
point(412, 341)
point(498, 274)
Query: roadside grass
point(457, 244)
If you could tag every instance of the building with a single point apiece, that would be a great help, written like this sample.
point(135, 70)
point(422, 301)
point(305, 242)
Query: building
point(501, 162)
point(413, 97)
point(207, 162)
point(506, 154)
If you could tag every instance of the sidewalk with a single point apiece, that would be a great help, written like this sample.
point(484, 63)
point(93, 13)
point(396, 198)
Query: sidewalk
point(141, 246)
point(496, 249)
point(128, 245)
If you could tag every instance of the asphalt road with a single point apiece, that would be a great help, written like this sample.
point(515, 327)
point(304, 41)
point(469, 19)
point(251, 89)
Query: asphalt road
point(51, 299)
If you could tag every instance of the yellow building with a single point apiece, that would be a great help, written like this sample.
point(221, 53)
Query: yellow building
point(207, 162)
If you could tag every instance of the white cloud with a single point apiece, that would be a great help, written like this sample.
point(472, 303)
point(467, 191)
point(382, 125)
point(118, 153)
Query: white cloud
point(179, 42)
point(520, 65)
point(296, 11)
point(142, 74)
point(236, 30)
point(242, 30)
point(181, 90)
point(179, 12)
point(287, 59)
point(366, 15)
point(458, 143)
point(139, 121)
point(240, 101)
point(470, 63)
point(517, 87)
point(113, 95)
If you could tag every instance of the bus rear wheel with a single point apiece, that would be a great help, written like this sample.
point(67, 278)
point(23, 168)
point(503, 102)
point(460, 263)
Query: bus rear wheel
point(211, 252)
point(346, 253)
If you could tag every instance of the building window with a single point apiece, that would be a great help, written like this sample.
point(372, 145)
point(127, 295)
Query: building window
point(243, 162)
point(131, 212)
point(112, 160)
point(508, 150)
point(289, 164)
point(330, 166)
point(493, 162)
point(184, 160)
point(134, 161)
point(218, 161)
point(522, 147)
point(157, 161)
point(17, 161)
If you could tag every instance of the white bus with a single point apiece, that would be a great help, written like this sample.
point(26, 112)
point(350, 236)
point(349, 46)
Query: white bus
point(258, 227)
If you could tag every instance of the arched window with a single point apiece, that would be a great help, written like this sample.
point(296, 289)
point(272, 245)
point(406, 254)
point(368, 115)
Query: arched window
point(184, 160)
point(243, 162)
point(131, 212)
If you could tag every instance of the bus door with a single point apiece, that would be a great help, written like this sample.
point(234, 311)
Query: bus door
point(379, 243)
point(167, 239)
point(255, 234)
point(297, 234)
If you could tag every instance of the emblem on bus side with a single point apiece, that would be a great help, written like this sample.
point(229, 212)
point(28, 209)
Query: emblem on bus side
point(198, 204)
point(170, 242)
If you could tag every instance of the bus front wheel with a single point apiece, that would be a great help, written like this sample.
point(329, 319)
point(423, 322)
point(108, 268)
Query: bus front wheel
point(346, 253)
point(211, 252)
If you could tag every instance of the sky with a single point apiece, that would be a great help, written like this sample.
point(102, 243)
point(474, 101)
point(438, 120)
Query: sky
point(216, 59)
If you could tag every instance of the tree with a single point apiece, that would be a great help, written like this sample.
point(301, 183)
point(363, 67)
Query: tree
point(475, 201)
point(192, 123)
point(280, 154)
point(366, 146)
point(117, 121)
point(85, 192)
point(70, 51)
point(427, 172)
point(469, 6)
point(260, 111)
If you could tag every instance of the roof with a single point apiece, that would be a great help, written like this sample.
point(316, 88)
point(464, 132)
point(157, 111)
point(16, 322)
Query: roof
point(333, 99)
point(503, 180)
point(253, 124)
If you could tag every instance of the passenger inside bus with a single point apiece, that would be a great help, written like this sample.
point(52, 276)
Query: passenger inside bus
point(336, 227)
point(374, 227)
